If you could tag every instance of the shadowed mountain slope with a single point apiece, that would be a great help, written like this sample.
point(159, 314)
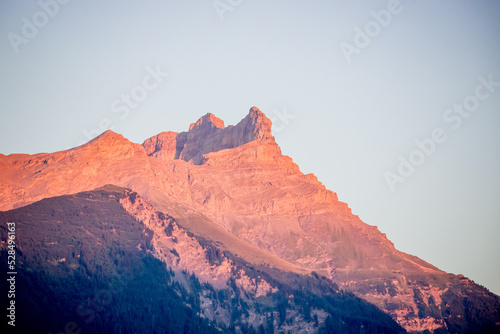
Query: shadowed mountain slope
point(105, 261)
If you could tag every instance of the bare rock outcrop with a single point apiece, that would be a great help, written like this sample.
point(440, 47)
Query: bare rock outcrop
point(209, 134)
point(162, 146)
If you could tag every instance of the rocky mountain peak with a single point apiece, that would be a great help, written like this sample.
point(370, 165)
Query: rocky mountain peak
point(109, 143)
point(108, 137)
point(255, 126)
point(162, 146)
point(209, 134)
point(209, 121)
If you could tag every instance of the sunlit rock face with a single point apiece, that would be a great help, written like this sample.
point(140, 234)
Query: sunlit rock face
point(232, 185)
point(209, 134)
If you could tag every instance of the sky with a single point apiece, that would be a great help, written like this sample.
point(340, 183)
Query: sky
point(394, 105)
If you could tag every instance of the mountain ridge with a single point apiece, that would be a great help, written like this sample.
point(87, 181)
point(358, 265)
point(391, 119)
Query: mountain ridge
point(236, 186)
point(141, 263)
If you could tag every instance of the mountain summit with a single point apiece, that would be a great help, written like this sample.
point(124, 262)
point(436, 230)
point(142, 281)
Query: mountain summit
point(231, 186)
point(208, 134)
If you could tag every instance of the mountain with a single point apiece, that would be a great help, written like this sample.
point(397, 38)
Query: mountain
point(95, 261)
point(231, 186)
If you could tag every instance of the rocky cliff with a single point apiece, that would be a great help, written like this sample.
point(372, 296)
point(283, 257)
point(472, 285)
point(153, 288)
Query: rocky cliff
point(233, 186)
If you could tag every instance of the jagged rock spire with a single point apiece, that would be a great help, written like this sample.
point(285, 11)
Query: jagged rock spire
point(209, 134)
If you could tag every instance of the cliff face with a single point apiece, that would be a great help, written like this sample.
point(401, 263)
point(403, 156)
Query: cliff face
point(209, 134)
point(233, 186)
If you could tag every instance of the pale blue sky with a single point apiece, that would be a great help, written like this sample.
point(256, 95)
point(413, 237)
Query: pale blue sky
point(352, 120)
